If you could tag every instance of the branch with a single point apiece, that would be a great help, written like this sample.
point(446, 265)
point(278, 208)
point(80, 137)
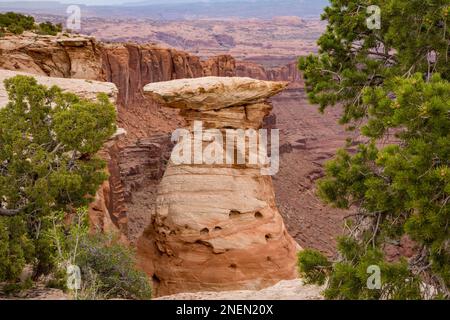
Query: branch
point(333, 73)
point(56, 148)
point(384, 55)
point(9, 212)
point(359, 214)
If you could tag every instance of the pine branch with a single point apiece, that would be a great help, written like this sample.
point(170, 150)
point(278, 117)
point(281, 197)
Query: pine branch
point(9, 212)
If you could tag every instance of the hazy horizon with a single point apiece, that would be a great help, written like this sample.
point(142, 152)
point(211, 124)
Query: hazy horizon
point(172, 9)
point(128, 2)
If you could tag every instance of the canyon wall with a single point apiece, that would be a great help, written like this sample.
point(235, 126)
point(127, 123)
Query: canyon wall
point(249, 69)
point(131, 66)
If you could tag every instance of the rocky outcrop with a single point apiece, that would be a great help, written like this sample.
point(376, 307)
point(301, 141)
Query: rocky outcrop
point(64, 56)
point(213, 93)
point(216, 226)
point(87, 89)
point(129, 66)
point(219, 66)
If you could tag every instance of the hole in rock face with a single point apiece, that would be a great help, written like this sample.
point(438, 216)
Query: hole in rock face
point(269, 259)
point(234, 214)
point(204, 243)
point(233, 266)
point(156, 281)
point(217, 228)
point(258, 215)
point(204, 231)
point(268, 236)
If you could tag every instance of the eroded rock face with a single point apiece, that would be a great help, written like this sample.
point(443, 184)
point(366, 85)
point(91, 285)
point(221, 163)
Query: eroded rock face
point(216, 227)
point(287, 72)
point(87, 89)
point(212, 93)
point(54, 56)
point(131, 66)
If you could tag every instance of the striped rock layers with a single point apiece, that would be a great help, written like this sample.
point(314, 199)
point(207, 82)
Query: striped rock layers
point(216, 226)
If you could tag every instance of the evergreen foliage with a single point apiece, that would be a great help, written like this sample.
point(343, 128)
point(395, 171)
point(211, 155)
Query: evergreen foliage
point(48, 163)
point(393, 84)
point(18, 23)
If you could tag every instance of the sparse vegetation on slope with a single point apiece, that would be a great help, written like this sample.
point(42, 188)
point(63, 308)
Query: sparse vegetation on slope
point(108, 268)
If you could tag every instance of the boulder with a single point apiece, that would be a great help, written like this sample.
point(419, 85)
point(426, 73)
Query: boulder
point(212, 93)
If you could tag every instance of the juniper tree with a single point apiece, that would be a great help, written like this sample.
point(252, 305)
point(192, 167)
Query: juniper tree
point(48, 145)
point(393, 84)
point(18, 23)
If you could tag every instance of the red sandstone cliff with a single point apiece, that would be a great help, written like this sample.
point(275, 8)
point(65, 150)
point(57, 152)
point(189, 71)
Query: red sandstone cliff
point(288, 72)
point(131, 66)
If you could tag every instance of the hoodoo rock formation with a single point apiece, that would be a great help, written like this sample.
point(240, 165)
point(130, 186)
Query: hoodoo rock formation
point(216, 226)
point(137, 161)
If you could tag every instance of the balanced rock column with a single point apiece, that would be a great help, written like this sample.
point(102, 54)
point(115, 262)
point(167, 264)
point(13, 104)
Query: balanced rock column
point(216, 226)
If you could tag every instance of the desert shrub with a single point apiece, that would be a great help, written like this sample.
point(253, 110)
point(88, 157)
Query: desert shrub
point(16, 287)
point(11, 20)
point(16, 249)
point(347, 278)
point(108, 268)
point(49, 28)
point(16, 29)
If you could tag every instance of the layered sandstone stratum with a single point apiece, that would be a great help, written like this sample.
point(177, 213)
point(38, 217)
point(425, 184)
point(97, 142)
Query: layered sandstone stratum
point(87, 89)
point(216, 226)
